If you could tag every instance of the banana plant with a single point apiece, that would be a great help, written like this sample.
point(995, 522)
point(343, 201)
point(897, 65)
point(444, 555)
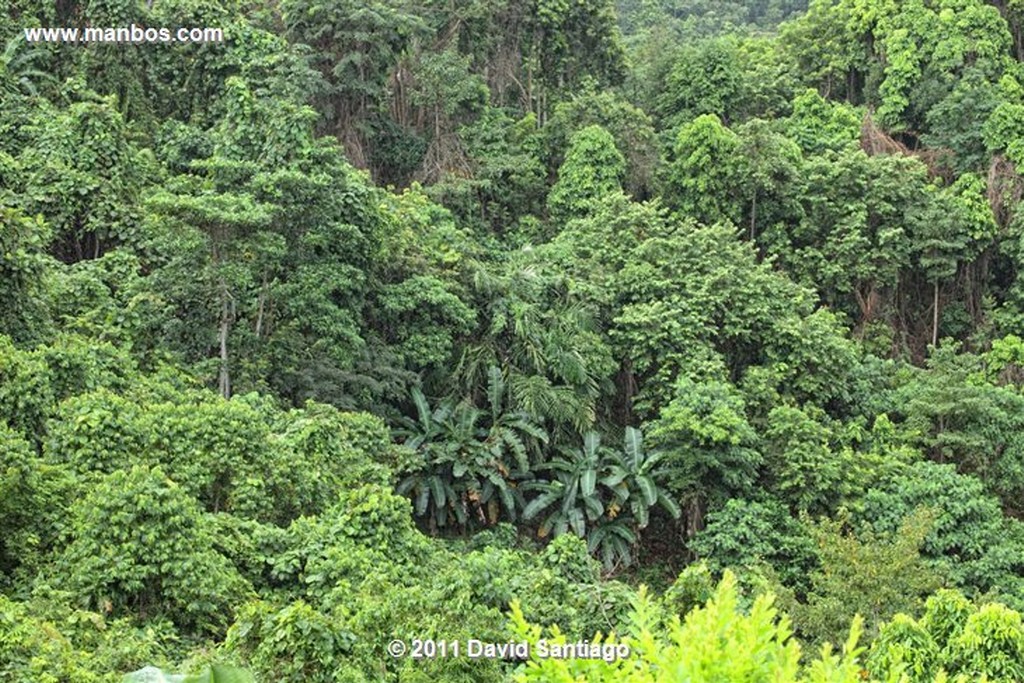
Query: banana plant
point(601, 495)
point(569, 496)
point(634, 476)
point(18, 70)
point(440, 437)
point(613, 541)
point(470, 461)
point(511, 434)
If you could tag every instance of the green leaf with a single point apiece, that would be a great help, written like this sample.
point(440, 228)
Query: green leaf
point(594, 506)
point(540, 503)
point(648, 488)
point(508, 501)
point(577, 522)
point(422, 408)
point(588, 482)
point(222, 674)
point(437, 487)
point(616, 475)
point(422, 501)
point(634, 447)
point(214, 674)
point(641, 514)
point(495, 390)
point(569, 499)
point(670, 506)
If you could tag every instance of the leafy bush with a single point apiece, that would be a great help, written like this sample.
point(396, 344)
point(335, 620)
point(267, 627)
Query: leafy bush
point(955, 636)
point(330, 451)
point(971, 540)
point(34, 500)
point(138, 546)
point(990, 644)
point(99, 431)
point(233, 456)
point(35, 651)
point(867, 575)
point(593, 168)
point(220, 452)
point(904, 645)
point(296, 644)
point(559, 586)
point(368, 527)
point(602, 495)
point(468, 462)
point(749, 533)
point(26, 396)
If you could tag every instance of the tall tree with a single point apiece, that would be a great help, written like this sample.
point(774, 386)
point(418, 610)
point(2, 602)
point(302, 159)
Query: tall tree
point(705, 170)
point(593, 168)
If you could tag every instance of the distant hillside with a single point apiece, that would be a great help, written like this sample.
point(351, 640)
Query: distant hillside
point(706, 17)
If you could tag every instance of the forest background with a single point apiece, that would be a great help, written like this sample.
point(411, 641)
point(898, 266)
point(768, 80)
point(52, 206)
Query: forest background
point(465, 319)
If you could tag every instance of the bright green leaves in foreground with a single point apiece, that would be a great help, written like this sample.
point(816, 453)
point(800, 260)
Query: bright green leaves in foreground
point(720, 641)
point(953, 635)
point(715, 642)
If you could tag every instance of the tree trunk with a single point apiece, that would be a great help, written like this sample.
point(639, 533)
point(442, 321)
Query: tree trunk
point(753, 216)
point(694, 516)
point(935, 316)
point(225, 329)
point(262, 306)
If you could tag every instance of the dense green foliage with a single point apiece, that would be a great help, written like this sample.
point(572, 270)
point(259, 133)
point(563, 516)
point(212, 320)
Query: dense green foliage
point(386, 320)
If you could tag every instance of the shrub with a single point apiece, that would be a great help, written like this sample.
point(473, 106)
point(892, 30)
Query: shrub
point(138, 547)
point(295, 644)
point(34, 498)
